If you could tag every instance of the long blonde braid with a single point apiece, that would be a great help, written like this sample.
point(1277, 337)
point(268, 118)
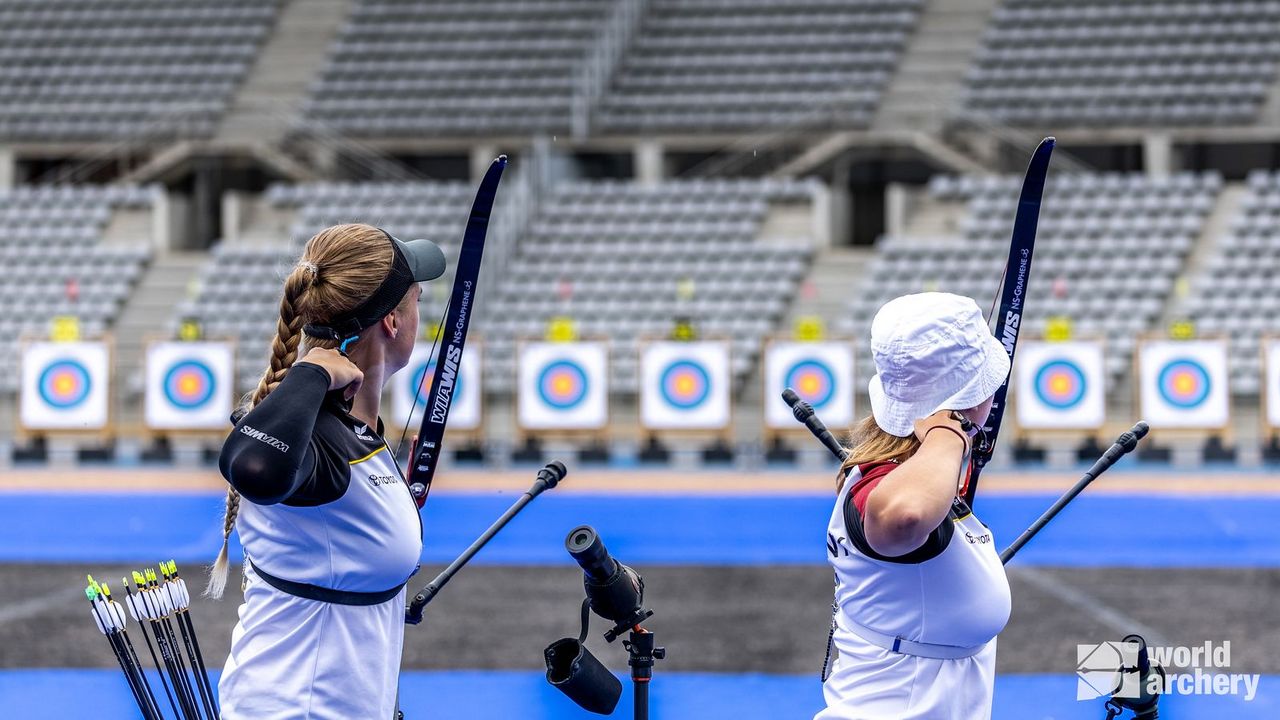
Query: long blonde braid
point(340, 267)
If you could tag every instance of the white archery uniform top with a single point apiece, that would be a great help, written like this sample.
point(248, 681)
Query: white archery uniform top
point(293, 658)
point(951, 591)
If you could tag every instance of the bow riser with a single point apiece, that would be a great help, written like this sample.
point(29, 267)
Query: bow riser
point(457, 321)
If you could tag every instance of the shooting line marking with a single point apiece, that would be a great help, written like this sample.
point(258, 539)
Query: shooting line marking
point(31, 607)
point(1115, 619)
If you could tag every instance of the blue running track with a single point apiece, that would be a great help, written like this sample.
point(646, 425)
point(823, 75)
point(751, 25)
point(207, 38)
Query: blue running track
point(1095, 530)
point(490, 695)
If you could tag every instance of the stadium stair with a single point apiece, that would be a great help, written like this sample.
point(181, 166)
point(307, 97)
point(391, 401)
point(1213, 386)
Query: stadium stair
point(146, 316)
point(1218, 224)
point(834, 277)
point(285, 67)
point(931, 74)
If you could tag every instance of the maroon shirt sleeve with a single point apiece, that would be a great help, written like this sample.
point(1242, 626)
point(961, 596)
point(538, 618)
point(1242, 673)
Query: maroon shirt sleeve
point(872, 474)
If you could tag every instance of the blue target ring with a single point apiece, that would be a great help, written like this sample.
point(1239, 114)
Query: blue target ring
point(420, 381)
point(684, 384)
point(1183, 383)
point(813, 381)
point(189, 384)
point(64, 384)
point(1060, 384)
point(563, 384)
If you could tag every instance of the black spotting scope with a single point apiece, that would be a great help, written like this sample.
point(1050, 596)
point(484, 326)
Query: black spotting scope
point(614, 591)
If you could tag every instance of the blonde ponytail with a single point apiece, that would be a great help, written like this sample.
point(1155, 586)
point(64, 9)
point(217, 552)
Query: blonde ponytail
point(340, 267)
point(868, 444)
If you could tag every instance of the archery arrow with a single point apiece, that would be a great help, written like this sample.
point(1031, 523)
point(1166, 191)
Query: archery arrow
point(110, 619)
point(176, 590)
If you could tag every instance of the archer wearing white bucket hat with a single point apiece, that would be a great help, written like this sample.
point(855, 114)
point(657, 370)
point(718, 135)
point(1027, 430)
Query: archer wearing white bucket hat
point(932, 351)
point(920, 591)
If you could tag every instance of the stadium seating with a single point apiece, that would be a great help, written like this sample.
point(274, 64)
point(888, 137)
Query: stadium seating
point(108, 69)
point(1146, 63)
point(1234, 295)
point(718, 65)
point(627, 261)
point(239, 290)
point(690, 250)
point(407, 67)
point(52, 262)
point(1108, 251)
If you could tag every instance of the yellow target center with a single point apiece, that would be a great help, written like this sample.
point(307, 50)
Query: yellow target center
point(1184, 383)
point(1059, 385)
point(685, 385)
point(64, 384)
point(562, 384)
point(809, 385)
point(188, 385)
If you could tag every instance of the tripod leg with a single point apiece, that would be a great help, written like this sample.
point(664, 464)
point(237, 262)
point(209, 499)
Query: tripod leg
point(641, 698)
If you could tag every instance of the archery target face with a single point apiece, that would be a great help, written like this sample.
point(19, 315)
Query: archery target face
point(65, 385)
point(1060, 385)
point(189, 385)
point(1184, 383)
point(821, 373)
point(685, 385)
point(563, 386)
point(412, 387)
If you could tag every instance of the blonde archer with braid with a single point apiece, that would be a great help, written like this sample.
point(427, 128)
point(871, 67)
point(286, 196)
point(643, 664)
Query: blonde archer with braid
point(339, 266)
point(329, 528)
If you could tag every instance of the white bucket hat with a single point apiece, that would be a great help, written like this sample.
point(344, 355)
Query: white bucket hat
point(932, 351)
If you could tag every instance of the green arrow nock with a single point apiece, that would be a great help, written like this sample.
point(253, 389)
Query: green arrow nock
point(138, 579)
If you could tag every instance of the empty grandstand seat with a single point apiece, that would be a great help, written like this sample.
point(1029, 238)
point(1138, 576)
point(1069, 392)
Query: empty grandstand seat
point(691, 249)
point(53, 262)
point(690, 252)
point(1108, 249)
point(1233, 294)
point(699, 65)
point(454, 68)
point(71, 69)
point(1149, 63)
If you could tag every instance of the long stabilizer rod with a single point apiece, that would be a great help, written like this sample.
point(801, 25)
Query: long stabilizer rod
point(1124, 444)
point(548, 477)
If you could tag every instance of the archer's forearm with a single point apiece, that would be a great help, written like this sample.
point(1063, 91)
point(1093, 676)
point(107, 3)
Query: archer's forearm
point(268, 455)
point(910, 501)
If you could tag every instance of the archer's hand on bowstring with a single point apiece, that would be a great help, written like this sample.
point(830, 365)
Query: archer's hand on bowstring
point(342, 372)
point(948, 421)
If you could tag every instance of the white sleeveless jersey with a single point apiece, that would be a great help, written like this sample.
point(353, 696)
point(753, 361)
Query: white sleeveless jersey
point(953, 591)
point(293, 658)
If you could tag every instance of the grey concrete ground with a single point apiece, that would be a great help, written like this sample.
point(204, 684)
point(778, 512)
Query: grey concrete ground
point(723, 619)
